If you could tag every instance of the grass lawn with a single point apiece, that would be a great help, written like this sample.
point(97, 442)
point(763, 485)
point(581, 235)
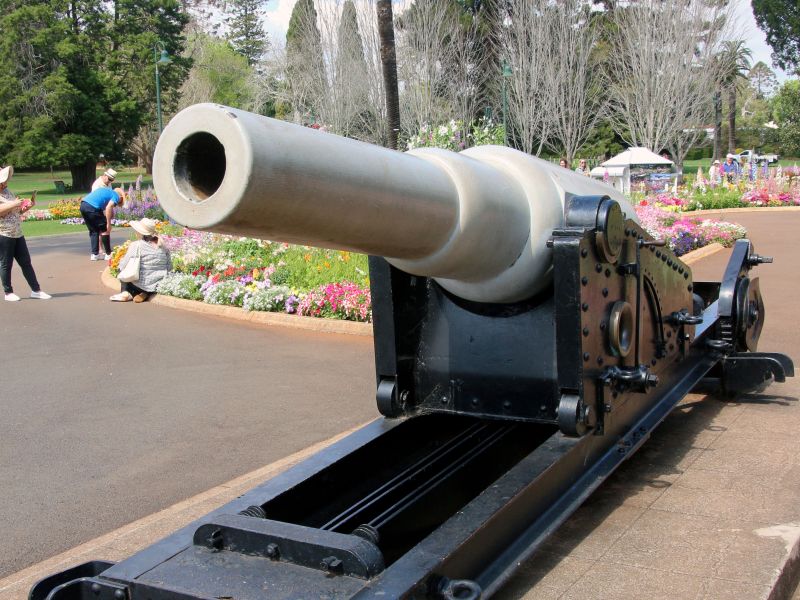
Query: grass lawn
point(23, 184)
point(38, 228)
point(706, 163)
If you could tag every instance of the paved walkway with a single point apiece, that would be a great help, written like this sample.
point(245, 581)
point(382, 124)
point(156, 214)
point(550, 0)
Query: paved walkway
point(111, 412)
point(709, 508)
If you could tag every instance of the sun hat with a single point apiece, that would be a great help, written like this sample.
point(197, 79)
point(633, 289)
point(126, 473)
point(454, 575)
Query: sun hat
point(6, 173)
point(716, 162)
point(111, 174)
point(144, 226)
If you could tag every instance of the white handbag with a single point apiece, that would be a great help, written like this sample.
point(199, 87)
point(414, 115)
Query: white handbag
point(131, 270)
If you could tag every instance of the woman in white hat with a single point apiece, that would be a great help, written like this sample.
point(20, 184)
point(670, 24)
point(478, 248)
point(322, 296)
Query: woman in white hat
point(12, 242)
point(154, 263)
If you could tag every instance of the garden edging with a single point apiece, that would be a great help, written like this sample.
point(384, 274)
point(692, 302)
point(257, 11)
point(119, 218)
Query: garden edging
point(309, 323)
point(263, 318)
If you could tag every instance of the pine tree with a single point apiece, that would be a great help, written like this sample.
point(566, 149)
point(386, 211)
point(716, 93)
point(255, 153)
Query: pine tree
point(245, 29)
point(305, 69)
point(349, 75)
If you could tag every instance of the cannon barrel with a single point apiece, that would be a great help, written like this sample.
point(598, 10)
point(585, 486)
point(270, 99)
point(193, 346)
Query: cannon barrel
point(476, 221)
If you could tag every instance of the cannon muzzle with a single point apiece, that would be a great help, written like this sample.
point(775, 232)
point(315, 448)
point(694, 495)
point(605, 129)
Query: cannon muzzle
point(477, 221)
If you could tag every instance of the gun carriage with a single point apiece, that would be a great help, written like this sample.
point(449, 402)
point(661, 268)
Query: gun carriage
point(529, 335)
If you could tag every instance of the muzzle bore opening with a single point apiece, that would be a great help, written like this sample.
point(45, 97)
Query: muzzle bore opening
point(199, 166)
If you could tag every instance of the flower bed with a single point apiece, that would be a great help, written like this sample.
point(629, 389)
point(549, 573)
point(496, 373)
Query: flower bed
point(37, 215)
point(685, 233)
point(779, 186)
point(262, 276)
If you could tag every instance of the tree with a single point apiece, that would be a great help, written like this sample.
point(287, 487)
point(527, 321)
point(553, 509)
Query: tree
point(780, 21)
point(425, 32)
point(662, 73)
point(526, 49)
point(219, 74)
point(305, 68)
point(65, 97)
point(389, 62)
point(787, 115)
point(245, 29)
point(762, 80)
point(573, 77)
point(346, 107)
point(735, 63)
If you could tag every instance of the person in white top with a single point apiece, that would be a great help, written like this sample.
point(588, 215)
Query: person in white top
point(12, 243)
point(105, 180)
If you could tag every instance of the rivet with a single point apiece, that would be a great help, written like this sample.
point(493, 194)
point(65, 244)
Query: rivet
point(686, 275)
point(584, 307)
point(653, 362)
point(475, 402)
point(586, 332)
point(669, 334)
point(585, 356)
point(658, 253)
point(608, 272)
point(585, 280)
point(663, 258)
point(605, 291)
point(627, 232)
point(598, 267)
point(669, 262)
point(599, 360)
point(584, 252)
point(675, 267)
point(689, 287)
point(507, 404)
point(602, 326)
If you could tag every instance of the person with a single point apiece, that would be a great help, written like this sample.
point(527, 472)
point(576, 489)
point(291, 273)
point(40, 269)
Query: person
point(97, 208)
point(582, 168)
point(12, 243)
point(715, 173)
point(154, 263)
point(105, 180)
point(563, 163)
point(730, 169)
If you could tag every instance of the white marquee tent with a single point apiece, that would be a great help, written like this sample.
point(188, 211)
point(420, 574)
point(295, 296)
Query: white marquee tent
point(635, 165)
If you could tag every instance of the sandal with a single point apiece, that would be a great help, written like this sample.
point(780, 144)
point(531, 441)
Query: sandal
point(121, 297)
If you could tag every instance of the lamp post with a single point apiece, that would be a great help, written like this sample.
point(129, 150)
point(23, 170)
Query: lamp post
point(506, 74)
point(162, 60)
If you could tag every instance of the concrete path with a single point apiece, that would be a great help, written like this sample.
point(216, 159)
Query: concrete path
point(110, 412)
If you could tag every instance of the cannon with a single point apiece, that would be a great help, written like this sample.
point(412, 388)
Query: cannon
point(529, 336)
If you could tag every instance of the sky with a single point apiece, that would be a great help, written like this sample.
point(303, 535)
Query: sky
point(278, 13)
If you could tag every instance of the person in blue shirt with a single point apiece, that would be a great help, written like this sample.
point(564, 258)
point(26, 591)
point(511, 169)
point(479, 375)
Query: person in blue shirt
point(730, 169)
point(97, 208)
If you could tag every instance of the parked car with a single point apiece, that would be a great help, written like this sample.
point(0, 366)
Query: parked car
point(752, 156)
